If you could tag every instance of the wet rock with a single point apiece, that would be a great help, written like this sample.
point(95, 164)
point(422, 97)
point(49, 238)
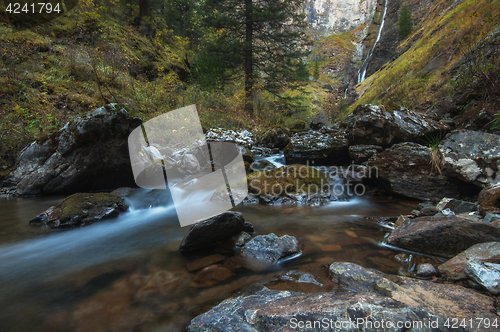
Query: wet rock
point(403, 299)
point(428, 211)
point(81, 210)
point(373, 125)
point(89, 153)
point(489, 200)
point(316, 148)
point(211, 275)
point(190, 163)
point(265, 250)
point(274, 138)
point(425, 270)
point(297, 281)
point(361, 153)
point(240, 137)
point(473, 156)
point(406, 169)
point(263, 164)
point(491, 217)
point(456, 205)
point(247, 155)
point(213, 231)
point(160, 285)
point(485, 274)
point(454, 268)
point(442, 236)
point(204, 262)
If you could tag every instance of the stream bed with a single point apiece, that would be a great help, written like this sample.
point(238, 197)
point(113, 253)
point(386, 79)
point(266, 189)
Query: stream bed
point(127, 274)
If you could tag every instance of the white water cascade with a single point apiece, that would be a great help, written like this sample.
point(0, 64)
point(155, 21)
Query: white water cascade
point(364, 66)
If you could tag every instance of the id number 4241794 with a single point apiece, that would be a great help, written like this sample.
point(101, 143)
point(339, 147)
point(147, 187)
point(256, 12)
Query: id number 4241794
point(455, 323)
point(33, 8)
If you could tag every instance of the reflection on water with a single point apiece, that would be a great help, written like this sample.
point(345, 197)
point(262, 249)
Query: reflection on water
point(126, 274)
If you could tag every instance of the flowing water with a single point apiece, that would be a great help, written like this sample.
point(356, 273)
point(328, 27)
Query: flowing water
point(126, 274)
point(364, 66)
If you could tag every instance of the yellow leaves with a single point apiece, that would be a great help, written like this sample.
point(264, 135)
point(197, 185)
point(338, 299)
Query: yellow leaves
point(16, 108)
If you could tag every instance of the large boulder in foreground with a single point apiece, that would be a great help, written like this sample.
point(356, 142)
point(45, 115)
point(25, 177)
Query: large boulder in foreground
point(388, 299)
point(406, 169)
point(89, 153)
point(81, 210)
point(473, 156)
point(374, 125)
point(212, 231)
point(442, 236)
point(318, 148)
point(489, 200)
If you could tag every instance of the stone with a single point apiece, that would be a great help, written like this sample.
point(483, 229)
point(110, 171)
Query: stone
point(401, 300)
point(490, 217)
point(274, 138)
point(81, 210)
point(472, 156)
point(262, 165)
point(212, 231)
point(441, 236)
point(241, 137)
point(406, 169)
point(89, 153)
point(454, 268)
point(456, 205)
point(316, 148)
point(204, 262)
point(425, 270)
point(266, 250)
point(489, 200)
point(211, 275)
point(190, 163)
point(428, 211)
point(485, 274)
point(361, 153)
point(374, 125)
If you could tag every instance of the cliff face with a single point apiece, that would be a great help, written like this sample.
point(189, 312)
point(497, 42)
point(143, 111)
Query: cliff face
point(335, 16)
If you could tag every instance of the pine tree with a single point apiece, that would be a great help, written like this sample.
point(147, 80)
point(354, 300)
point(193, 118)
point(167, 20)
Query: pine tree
point(266, 38)
point(405, 23)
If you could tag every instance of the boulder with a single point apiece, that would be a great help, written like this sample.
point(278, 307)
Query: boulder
point(490, 218)
point(361, 153)
point(425, 270)
point(485, 274)
point(454, 268)
point(406, 169)
point(81, 210)
point(401, 300)
point(274, 138)
point(265, 250)
point(373, 125)
point(489, 200)
point(215, 230)
point(240, 137)
point(472, 156)
point(442, 236)
point(89, 153)
point(317, 148)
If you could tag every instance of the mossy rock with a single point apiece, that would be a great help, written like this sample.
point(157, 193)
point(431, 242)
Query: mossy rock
point(292, 179)
point(81, 209)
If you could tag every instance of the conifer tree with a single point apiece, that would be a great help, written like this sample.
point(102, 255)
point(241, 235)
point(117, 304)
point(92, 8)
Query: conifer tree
point(405, 23)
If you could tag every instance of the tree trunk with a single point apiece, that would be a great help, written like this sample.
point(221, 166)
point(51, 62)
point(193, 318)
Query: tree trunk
point(143, 10)
point(248, 51)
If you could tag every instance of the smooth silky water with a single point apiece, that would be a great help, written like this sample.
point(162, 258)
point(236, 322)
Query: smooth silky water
point(87, 279)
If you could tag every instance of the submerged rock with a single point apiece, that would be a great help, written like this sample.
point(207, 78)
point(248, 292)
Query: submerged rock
point(89, 153)
point(473, 156)
point(265, 250)
point(485, 274)
point(81, 210)
point(317, 148)
point(373, 125)
point(442, 236)
point(215, 230)
point(454, 268)
point(406, 169)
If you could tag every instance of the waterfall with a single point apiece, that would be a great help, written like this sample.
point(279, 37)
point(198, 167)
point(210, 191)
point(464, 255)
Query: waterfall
point(364, 66)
